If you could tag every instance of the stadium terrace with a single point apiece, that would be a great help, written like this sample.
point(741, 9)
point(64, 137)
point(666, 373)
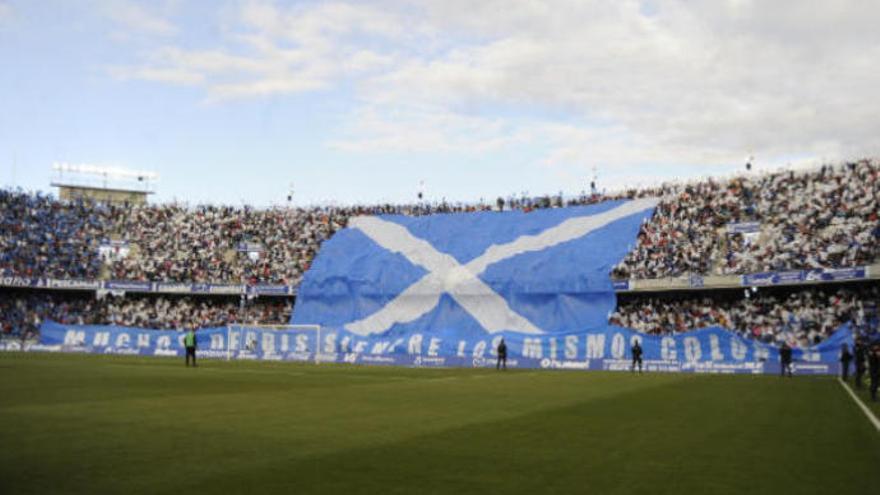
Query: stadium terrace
point(788, 228)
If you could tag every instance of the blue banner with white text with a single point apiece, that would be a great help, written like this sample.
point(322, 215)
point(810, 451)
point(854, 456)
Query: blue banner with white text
point(710, 350)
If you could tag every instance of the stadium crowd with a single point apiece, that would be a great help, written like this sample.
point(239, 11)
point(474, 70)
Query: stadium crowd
point(22, 313)
point(829, 217)
point(799, 318)
point(43, 237)
point(823, 218)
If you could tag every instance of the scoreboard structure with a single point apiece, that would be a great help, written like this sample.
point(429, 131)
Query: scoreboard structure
point(102, 183)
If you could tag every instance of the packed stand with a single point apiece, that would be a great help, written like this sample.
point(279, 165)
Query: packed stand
point(824, 218)
point(42, 237)
point(22, 313)
point(800, 318)
point(808, 219)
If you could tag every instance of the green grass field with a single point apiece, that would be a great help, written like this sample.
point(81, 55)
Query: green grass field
point(95, 424)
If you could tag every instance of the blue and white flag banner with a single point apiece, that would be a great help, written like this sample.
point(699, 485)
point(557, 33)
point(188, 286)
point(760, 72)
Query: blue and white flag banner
point(710, 350)
point(445, 289)
point(477, 274)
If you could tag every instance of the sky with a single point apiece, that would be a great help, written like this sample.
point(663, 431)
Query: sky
point(371, 101)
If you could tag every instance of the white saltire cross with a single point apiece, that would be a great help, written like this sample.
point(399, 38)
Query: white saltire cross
point(461, 282)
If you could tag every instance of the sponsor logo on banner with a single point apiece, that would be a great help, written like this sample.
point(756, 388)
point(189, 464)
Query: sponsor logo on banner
point(377, 359)
point(122, 351)
point(811, 369)
point(712, 367)
point(790, 277)
point(20, 282)
point(129, 285)
point(42, 348)
point(217, 288)
point(836, 274)
point(429, 361)
point(209, 353)
point(327, 357)
point(767, 278)
point(656, 366)
point(484, 362)
point(173, 288)
point(300, 356)
point(270, 290)
point(620, 284)
point(73, 284)
point(616, 364)
point(565, 365)
point(797, 276)
point(845, 273)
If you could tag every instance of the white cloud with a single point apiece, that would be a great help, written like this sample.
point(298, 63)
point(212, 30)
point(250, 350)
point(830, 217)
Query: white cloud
point(165, 75)
point(615, 82)
point(6, 12)
point(269, 50)
point(135, 17)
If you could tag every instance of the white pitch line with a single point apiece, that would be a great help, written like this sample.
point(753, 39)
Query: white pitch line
point(862, 405)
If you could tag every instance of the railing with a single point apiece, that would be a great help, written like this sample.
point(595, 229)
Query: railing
point(148, 287)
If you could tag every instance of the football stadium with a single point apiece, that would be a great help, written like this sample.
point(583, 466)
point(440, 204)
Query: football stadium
point(271, 247)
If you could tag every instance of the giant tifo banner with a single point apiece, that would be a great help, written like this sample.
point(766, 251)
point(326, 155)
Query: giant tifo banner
point(710, 350)
point(471, 275)
point(445, 289)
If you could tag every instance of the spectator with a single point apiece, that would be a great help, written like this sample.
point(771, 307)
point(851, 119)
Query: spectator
point(22, 313)
point(800, 318)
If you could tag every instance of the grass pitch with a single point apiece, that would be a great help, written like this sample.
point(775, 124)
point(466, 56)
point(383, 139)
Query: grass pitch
point(95, 424)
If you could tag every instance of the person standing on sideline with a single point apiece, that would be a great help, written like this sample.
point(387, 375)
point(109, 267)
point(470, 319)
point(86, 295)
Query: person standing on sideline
point(501, 363)
point(860, 350)
point(874, 370)
point(637, 356)
point(845, 358)
point(189, 341)
point(785, 359)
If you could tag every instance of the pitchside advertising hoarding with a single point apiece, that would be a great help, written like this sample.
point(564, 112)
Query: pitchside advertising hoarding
point(710, 350)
